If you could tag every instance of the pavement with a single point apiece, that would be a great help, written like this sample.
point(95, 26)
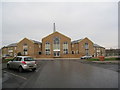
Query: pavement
point(62, 74)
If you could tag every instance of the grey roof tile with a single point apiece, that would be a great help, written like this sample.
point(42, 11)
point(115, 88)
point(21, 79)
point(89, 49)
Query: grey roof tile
point(36, 42)
point(76, 41)
point(12, 45)
point(96, 45)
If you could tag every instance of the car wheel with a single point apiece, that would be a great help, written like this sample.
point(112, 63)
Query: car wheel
point(8, 66)
point(33, 69)
point(20, 69)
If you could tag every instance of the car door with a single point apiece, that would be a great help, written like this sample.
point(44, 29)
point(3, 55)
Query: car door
point(12, 63)
point(18, 62)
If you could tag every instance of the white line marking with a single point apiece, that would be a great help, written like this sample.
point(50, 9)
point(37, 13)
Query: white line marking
point(38, 69)
point(16, 75)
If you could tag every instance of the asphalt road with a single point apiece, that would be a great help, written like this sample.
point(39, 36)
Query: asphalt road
point(61, 74)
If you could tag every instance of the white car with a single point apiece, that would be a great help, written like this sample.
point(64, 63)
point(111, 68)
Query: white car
point(86, 57)
point(22, 63)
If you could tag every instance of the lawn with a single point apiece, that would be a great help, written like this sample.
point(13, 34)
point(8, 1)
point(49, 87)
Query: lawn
point(106, 59)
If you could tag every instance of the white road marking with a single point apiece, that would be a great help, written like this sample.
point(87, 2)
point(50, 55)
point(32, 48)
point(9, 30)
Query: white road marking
point(16, 75)
point(38, 69)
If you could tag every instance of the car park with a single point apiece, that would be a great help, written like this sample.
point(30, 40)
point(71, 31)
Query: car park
point(86, 57)
point(22, 63)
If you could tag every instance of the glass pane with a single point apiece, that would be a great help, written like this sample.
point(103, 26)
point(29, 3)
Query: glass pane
point(15, 59)
point(29, 59)
point(56, 44)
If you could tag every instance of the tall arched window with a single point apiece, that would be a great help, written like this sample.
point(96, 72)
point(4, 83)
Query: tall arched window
point(56, 43)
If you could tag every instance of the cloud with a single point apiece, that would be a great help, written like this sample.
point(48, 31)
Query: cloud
point(97, 21)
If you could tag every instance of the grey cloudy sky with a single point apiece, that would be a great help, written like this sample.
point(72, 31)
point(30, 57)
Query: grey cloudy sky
point(96, 20)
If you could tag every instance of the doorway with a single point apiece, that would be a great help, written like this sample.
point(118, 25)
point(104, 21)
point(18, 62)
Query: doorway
point(56, 53)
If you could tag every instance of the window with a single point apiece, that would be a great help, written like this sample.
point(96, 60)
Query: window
point(25, 46)
point(47, 51)
point(14, 59)
point(25, 49)
point(65, 48)
point(87, 52)
point(56, 40)
point(47, 48)
point(29, 59)
point(47, 45)
point(19, 59)
point(39, 46)
point(86, 46)
point(86, 49)
point(65, 51)
point(77, 52)
point(98, 50)
point(10, 50)
point(56, 43)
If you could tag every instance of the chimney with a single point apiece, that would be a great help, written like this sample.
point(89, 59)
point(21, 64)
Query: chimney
point(54, 29)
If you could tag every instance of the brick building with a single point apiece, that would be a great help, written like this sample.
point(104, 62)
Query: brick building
point(83, 47)
point(112, 52)
point(99, 50)
point(10, 50)
point(55, 45)
point(29, 47)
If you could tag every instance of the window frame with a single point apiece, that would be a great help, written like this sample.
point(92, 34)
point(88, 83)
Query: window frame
point(47, 48)
point(65, 48)
point(56, 44)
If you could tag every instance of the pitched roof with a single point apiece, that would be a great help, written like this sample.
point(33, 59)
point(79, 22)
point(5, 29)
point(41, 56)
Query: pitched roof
point(36, 42)
point(54, 33)
point(76, 41)
point(12, 45)
point(33, 41)
point(96, 45)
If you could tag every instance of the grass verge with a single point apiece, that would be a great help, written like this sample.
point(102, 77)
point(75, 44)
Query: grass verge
point(5, 60)
point(106, 59)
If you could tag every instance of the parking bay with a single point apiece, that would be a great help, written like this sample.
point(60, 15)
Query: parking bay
point(62, 74)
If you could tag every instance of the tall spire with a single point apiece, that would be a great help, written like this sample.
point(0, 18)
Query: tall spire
point(54, 29)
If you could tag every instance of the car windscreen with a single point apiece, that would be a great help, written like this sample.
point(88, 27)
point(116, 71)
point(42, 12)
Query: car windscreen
point(29, 59)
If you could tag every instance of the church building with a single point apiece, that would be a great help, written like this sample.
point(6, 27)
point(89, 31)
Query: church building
point(55, 45)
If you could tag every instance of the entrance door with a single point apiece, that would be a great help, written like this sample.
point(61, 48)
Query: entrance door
point(56, 53)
